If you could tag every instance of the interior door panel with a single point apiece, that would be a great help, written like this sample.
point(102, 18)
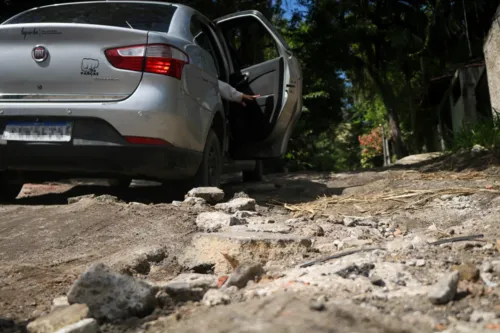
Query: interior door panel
point(255, 121)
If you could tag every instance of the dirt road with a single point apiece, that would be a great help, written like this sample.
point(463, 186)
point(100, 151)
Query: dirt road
point(46, 243)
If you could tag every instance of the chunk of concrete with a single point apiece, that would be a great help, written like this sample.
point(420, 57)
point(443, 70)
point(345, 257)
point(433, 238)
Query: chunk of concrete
point(277, 228)
point(209, 194)
point(243, 274)
point(216, 297)
point(238, 204)
point(188, 287)
point(59, 302)
point(59, 319)
point(214, 221)
point(260, 247)
point(445, 289)
point(88, 325)
point(112, 296)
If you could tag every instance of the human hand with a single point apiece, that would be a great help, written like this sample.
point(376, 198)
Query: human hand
point(248, 98)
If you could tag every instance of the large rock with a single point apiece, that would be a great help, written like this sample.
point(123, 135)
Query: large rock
point(88, 325)
point(286, 313)
point(112, 296)
point(206, 249)
point(209, 194)
point(214, 221)
point(59, 319)
point(445, 289)
point(238, 204)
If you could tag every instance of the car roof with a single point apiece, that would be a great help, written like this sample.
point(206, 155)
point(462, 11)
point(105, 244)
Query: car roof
point(116, 1)
point(184, 11)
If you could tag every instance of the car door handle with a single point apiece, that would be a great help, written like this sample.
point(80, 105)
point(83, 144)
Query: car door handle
point(244, 79)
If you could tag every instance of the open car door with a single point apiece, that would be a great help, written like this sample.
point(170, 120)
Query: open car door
point(262, 64)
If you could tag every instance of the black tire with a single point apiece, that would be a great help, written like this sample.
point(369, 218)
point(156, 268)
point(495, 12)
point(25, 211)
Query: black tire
point(254, 175)
point(210, 171)
point(121, 183)
point(9, 191)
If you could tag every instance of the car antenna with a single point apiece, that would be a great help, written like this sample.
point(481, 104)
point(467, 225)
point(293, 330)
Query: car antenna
point(131, 27)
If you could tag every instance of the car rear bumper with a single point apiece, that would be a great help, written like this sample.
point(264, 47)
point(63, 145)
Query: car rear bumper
point(71, 161)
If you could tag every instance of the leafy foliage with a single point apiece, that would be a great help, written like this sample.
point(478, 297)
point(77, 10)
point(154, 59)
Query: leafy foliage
point(485, 133)
point(371, 147)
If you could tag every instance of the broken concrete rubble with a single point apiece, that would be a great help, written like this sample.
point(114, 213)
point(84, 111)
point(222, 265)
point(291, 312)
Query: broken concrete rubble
point(139, 260)
point(445, 289)
point(59, 302)
point(272, 228)
point(467, 272)
point(188, 286)
point(88, 325)
point(313, 230)
point(215, 297)
point(209, 194)
point(215, 221)
point(392, 281)
point(58, 319)
point(284, 313)
point(243, 274)
point(238, 204)
point(110, 295)
point(206, 248)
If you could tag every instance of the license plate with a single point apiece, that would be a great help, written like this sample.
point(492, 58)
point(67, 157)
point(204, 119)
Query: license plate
point(42, 132)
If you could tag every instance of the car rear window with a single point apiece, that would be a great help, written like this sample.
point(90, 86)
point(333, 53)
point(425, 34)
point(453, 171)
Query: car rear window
point(139, 16)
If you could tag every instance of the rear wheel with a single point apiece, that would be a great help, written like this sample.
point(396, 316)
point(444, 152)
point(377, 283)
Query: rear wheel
point(254, 175)
point(210, 171)
point(9, 191)
point(208, 174)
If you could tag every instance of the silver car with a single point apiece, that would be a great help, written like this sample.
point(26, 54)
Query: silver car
point(129, 89)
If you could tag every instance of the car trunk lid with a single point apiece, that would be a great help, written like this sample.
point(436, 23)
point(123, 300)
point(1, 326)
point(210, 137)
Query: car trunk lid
point(65, 62)
point(58, 52)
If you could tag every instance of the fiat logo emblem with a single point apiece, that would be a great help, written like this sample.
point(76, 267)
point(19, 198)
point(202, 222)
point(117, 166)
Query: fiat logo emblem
point(39, 53)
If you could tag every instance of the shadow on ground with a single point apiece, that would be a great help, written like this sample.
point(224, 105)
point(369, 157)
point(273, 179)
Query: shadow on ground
point(11, 326)
point(474, 161)
point(278, 188)
point(290, 188)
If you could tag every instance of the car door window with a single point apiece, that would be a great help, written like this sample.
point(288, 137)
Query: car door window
point(250, 43)
point(203, 38)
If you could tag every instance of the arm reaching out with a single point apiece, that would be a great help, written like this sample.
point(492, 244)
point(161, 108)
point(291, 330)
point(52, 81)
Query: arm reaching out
point(229, 93)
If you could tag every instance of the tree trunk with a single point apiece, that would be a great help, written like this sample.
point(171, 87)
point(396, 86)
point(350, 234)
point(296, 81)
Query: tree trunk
point(399, 146)
point(391, 106)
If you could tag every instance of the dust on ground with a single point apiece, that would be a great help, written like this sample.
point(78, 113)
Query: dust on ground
point(46, 242)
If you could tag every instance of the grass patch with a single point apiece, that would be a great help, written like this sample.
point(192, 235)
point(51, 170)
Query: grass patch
point(485, 133)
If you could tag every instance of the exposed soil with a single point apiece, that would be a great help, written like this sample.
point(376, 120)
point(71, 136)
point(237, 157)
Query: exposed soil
point(45, 243)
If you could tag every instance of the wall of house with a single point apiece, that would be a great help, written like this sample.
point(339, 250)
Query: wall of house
point(492, 58)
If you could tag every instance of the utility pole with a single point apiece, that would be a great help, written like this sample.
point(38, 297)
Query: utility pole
point(385, 148)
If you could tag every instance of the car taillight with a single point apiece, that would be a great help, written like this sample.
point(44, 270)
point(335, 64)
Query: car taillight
point(154, 58)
